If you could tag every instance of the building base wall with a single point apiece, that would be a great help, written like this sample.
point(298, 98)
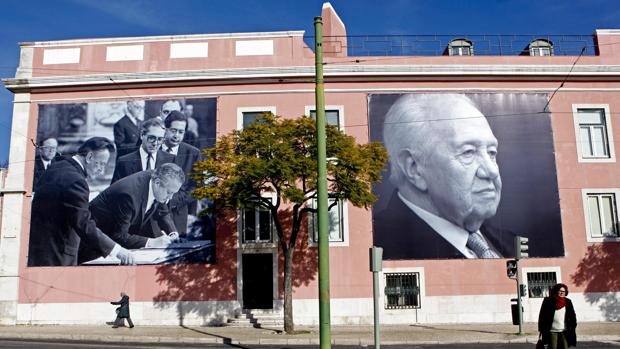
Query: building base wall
point(590, 307)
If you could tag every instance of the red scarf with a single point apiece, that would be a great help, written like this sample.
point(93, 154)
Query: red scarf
point(560, 302)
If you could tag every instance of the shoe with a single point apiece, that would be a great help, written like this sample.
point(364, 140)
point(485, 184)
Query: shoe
point(114, 326)
point(131, 326)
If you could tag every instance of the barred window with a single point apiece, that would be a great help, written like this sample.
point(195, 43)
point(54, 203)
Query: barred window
point(402, 290)
point(539, 283)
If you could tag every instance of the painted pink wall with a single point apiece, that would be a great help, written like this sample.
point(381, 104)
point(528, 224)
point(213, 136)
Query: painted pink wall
point(349, 265)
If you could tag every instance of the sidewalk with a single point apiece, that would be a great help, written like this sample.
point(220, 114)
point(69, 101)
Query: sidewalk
point(341, 335)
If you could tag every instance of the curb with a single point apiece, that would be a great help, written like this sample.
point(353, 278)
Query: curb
point(269, 341)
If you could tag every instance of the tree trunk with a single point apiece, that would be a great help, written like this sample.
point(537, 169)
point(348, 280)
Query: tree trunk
point(289, 326)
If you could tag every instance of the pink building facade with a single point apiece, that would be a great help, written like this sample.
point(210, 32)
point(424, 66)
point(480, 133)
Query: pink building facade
point(274, 71)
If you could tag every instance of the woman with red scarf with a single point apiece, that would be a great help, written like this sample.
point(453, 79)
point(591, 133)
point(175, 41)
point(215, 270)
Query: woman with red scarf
point(557, 320)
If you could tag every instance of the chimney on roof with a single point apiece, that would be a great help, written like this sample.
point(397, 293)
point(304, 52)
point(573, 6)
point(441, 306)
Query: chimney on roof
point(334, 33)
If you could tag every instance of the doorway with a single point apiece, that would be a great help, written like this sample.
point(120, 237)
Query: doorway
point(257, 276)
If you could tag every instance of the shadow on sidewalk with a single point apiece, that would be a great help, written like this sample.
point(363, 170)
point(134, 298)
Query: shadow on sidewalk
point(226, 340)
point(460, 330)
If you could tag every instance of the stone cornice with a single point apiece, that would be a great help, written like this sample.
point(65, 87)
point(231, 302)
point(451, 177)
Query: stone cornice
point(333, 72)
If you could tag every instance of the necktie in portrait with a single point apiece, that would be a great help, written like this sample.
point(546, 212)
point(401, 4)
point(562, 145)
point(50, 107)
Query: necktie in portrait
point(480, 247)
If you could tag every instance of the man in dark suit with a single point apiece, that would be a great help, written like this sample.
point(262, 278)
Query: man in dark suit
point(443, 164)
point(148, 156)
point(61, 221)
point(126, 129)
point(122, 312)
point(47, 153)
point(123, 210)
point(185, 156)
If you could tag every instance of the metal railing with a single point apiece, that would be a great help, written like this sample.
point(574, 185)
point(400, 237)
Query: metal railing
point(436, 45)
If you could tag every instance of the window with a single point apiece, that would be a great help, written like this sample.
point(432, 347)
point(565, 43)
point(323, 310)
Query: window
point(336, 221)
point(334, 114)
point(247, 115)
point(593, 130)
point(460, 47)
point(251, 117)
point(593, 133)
point(257, 225)
point(539, 283)
point(541, 47)
point(601, 213)
point(331, 116)
point(402, 290)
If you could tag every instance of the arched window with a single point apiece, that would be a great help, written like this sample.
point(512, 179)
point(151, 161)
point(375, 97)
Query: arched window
point(541, 47)
point(460, 47)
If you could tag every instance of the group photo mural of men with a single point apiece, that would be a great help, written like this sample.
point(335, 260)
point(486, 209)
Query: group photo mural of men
point(112, 183)
point(467, 173)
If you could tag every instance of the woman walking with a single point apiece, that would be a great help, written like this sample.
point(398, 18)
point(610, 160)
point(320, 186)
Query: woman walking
point(557, 320)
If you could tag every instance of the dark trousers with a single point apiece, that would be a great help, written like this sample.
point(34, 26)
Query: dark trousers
point(121, 321)
point(557, 340)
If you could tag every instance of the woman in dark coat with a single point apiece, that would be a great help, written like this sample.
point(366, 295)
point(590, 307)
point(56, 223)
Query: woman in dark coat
point(557, 320)
point(122, 312)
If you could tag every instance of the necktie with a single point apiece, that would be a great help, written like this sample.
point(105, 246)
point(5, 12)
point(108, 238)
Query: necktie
point(150, 210)
point(169, 150)
point(477, 244)
point(148, 162)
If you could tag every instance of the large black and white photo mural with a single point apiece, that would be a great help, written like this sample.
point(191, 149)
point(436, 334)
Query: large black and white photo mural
point(112, 183)
point(467, 173)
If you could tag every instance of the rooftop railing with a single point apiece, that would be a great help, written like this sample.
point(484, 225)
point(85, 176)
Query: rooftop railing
point(436, 45)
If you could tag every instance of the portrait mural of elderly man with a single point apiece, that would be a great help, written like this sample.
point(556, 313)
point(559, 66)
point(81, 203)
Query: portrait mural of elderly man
point(466, 174)
point(113, 197)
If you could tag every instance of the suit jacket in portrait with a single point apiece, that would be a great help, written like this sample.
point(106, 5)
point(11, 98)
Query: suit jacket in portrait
point(39, 169)
point(60, 219)
point(120, 213)
point(183, 203)
point(404, 235)
point(132, 163)
point(126, 136)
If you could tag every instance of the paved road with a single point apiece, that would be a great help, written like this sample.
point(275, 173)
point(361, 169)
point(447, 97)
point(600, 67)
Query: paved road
point(23, 344)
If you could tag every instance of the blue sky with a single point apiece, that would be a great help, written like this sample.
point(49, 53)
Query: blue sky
point(42, 20)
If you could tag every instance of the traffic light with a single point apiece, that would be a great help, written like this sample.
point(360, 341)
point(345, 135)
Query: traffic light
point(523, 290)
point(521, 248)
point(511, 268)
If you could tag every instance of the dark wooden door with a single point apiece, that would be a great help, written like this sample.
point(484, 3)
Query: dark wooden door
point(257, 281)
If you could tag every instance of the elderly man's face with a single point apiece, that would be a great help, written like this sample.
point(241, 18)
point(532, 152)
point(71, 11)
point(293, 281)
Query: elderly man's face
point(136, 109)
point(461, 171)
point(96, 162)
point(48, 149)
point(163, 191)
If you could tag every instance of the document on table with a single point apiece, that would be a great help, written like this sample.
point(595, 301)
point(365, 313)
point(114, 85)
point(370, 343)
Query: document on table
point(159, 255)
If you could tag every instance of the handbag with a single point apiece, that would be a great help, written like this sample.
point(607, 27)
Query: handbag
point(540, 344)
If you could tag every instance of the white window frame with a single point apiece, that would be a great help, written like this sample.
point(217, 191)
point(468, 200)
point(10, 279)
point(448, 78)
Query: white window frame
point(525, 270)
point(259, 109)
point(584, 197)
point(608, 128)
point(411, 313)
point(258, 243)
point(340, 109)
point(344, 223)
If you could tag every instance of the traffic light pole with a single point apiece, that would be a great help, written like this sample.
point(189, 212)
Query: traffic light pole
point(324, 311)
point(519, 307)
